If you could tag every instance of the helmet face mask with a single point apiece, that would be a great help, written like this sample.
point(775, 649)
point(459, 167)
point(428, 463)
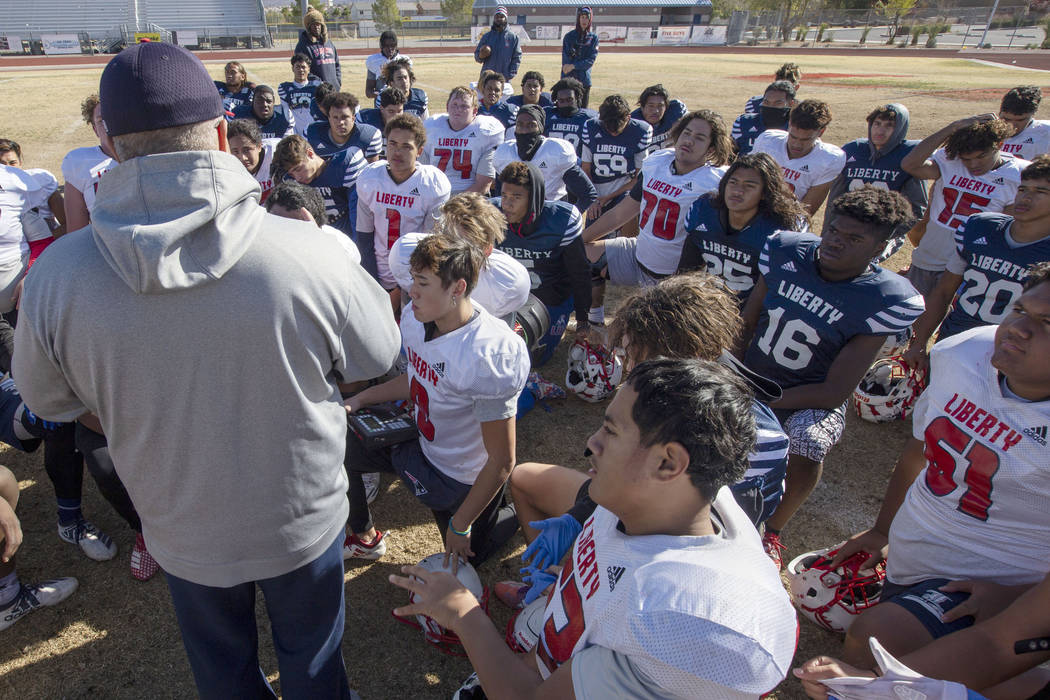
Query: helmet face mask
point(888, 391)
point(833, 598)
point(447, 642)
point(594, 372)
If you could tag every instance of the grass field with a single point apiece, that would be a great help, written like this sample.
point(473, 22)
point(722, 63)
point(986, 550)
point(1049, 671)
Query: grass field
point(116, 638)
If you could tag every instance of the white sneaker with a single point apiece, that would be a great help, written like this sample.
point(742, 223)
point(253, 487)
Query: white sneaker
point(31, 597)
point(371, 480)
point(95, 544)
point(356, 548)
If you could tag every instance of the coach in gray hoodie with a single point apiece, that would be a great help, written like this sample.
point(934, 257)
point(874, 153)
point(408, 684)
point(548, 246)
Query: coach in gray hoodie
point(208, 337)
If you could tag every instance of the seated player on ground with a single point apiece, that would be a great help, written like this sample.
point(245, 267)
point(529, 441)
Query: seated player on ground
point(566, 119)
point(399, 195)
point(666, 592)
point(291, 200)
point(658, 110)
point(398, 73)
point(555, 158)
point(466, 369)
point(966, 501)
point(391, 104)
point(973, 175)
point(727, 230)
point(255, 152)
point(772, 113)
point(374, 82)
point(789, 72)
point(318, 108)
point(298, 93)
point(532, 93)
point(492, 104)
point(814, 322)
point(461, 142)
point(237, 89)
point(341, 130)
point(42, 224)
point(809, 164)
point(1031, 136)
point(544, 236)
point(993, 252)
point(275, 120)
point(82, 168)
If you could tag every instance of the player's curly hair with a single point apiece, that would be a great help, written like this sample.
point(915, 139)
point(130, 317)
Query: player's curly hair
point(396, 64)
point(408, 122)
point(703, 406)
point(300, 58)
point(691, 315)
point(657, 90)
point(881, 112)
point(1023, 99)
point(322, 93)
point(471, 216)
point(451, 258)
point(789, 72)
point(810, 114)
point(722, 146)
point(614, 113)
point(341, 99)
point(391, 95)
point(1038, 169)
point(290, 152)
point(1037, 274)
point(87, 108)
point(568, 84)
point(777, 202)
point(465, 92)
point(889, 212)
point(291, 195)
point(978, 138)
point(248, 128)
point(533, 75)
point(517, 173)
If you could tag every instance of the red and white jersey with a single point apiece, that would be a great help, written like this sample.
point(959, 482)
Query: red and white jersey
point(666, 200)
point(958, 194)
point(458, 381)
point(263, 175)
point(391, 209)
point(503, 283)
point(36, 226)
point(19, 192)
point(820, 166)
point(698, 617)
point(553, 158)
point(1033, 141)
point(979, 509)
point(465, 154)
point(83, 168)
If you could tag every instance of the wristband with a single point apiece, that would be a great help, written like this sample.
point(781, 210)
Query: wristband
point(454, 531)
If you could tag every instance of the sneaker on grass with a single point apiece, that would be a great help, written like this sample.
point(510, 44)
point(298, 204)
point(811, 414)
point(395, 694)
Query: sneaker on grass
point(32, 596)
point(93, 542)
point(356, 548)
point(143, 565)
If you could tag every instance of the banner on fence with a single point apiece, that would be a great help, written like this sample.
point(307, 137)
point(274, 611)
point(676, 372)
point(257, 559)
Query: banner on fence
point(613, 35)
point(672, 35)
point(549, 32)
point(187, 37)
point(706, 35)
point(11, 43)
point(60, 43)
point(639, 35)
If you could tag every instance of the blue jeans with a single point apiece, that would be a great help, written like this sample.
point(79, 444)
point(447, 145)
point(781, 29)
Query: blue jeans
point(306, 609)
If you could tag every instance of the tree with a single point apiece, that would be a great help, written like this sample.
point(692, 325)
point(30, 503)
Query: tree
point(457, 11)
point(386, 14)
point(895, 9)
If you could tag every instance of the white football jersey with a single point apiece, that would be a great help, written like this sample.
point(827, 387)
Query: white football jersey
point(666, 200)
point(391, 209)
point(459, 380)
point(698, 617)
point(263, 175)
point(821, 165)
point(465, 154)
point(36, 225)
point(83, 168)
point(553, 158)
point(1033, 141)
point(978, 510)
point(503, 283)
point(19, 192)
point(958, 194)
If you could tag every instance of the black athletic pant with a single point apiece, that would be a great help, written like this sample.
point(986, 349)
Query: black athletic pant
point(96, 453)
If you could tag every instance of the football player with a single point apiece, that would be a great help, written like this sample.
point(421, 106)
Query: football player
point(992, 255)
point(789, 72)
point(809, 164)
point(666, 558)
point(727, 230)
point(466, 369)
point(973, 175)
point(544, 236)
point(391, 104)
point(555, 158)
point(656, 108)
point(492, 103)
point(255, 152)
point(236, 90)
point(291, 200)
point(614, 146)
point(772, 113)
point(814, 322)
point(342, 131)
point(82, 168)
point(399, 195)
point(532, 93)
point(374, 64)
point(461, 142)
point(398, 73)
point(298, 93)
point(966, 499)
point(275, 120)
point(671, 180)
point(1031, 137)
point(42, 224)
point(566, 119)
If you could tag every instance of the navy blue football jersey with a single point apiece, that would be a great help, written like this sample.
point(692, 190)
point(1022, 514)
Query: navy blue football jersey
point(993, 268)
point(885, 172)
point(338, 185)
point(417, 103)
point(615, 159)
point(542, 251)
point(806, 320)
point(754, 104)
point(276, 127)
point(372, 117)
point(230, 100)
point(568, 128)
point(299, 99)
point(364, 137)
point(676, 109)
point(503, 112)
point(746, 129)
point(731, 256)
point(545, 100)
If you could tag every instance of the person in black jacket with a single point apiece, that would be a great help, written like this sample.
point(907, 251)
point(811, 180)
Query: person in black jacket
point(314, 42)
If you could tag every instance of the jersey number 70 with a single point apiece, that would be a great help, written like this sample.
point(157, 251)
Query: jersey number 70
point(665, 220)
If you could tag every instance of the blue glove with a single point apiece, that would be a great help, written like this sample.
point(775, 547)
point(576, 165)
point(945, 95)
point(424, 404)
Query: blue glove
point(538, 582)
point(555, 538)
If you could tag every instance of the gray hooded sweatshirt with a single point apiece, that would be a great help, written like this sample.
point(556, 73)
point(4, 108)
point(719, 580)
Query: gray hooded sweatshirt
point(208, 336)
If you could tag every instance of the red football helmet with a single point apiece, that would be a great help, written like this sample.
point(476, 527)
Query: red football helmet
point(833, 598)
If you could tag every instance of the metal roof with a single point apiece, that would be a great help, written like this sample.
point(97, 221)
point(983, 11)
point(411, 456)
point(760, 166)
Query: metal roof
point(483, 6)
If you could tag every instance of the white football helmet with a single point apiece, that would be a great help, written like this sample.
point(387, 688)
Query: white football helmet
point(434, 633)
point(888, 391)
point(524, 628)
point(594, 372)
point(832, 598)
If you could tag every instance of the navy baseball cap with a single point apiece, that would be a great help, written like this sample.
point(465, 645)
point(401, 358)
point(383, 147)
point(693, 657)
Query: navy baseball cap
point(155, 86)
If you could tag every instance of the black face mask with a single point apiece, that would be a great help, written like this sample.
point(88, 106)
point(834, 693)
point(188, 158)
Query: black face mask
point(775, 117)
point(566, 112)
point(527, 144)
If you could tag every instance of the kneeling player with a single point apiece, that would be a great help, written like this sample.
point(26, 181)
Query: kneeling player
point(255, 153)
point(461, 142)
point(656, 108)
point(814, 322)
point(666, 592)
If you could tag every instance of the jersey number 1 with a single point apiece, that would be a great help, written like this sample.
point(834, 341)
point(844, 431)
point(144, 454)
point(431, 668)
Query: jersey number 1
point(460, 161)
point(665, 220)
point(393, 227)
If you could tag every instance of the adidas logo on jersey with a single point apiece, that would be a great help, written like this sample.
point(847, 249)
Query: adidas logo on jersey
point(1038, 434)
point(981, 241)
point(543, 164)
point(472, 134)
point(688, 185)
point(999, 181)
point(415, 191)
point(701, 227)
point(789, 266)
point(851, 159)
point(804, 168)
point(439, 368)
point(1029, 140)
point(614, 573)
